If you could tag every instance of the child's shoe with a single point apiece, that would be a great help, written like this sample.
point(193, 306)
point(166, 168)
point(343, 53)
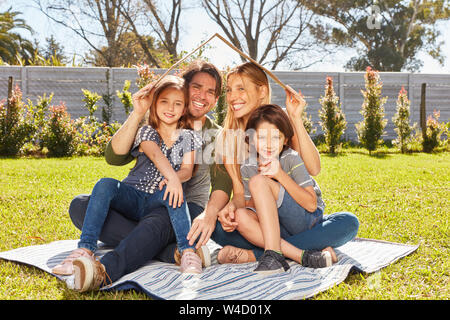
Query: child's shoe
point(316, 259)
point(271, 262)
point(202, 252)
point(190, 262)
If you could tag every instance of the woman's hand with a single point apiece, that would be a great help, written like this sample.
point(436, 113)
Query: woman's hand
point(295, 105)
point(174, 190)
point(226, 217)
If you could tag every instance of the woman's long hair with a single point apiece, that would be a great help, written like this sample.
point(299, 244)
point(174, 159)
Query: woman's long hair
point(232, 147)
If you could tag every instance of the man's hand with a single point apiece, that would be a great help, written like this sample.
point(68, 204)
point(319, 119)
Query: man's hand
point(203, 226)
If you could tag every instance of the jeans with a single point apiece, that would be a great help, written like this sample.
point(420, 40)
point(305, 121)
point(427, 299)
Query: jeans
point(135, 242)
point(134, 204)
point(333, 230)
point(294, 219)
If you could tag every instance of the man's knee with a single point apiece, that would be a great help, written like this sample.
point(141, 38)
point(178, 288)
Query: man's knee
point(77, 209)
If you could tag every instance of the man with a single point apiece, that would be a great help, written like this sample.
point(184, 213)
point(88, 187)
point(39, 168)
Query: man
point(138, 242)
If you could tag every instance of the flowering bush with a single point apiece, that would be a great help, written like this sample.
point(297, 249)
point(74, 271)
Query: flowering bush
point(59, 133)
point(333, 119)
point(92, 137)
point(372, 127)
point(15, 124)
point(401, 120)
point(432, 136)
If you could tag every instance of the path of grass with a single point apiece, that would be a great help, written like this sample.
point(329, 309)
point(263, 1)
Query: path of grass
point(400, 198)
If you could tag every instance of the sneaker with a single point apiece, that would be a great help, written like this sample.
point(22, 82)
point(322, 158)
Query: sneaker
point(202, 252)
point(190, 263)
point(65, 268)
point(271, 262)
point(230, 254)
point(89, 274)
point(316, 259)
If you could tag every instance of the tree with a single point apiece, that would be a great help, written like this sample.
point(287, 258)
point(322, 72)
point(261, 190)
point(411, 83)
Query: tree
point(53, 50)
point(401, 121)
point(86, 17)
point(130, 52)
point(13, 47)
point(370, 129)
point(270, 32)
point(164, 24)
point(387, 34)
point(332, 118)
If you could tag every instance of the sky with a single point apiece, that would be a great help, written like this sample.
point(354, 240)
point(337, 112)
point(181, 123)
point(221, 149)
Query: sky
point(197, 31)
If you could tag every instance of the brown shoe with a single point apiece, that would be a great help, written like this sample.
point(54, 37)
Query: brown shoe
point(203, 253)
point(89, 274)
point(230, 254)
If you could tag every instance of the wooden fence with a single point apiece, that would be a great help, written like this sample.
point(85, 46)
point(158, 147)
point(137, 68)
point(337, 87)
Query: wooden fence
point(66, 84)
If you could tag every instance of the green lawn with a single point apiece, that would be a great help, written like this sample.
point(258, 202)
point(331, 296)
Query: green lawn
point(400, 198)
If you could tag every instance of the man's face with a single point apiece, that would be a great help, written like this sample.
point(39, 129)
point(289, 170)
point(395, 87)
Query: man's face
point(202, 95)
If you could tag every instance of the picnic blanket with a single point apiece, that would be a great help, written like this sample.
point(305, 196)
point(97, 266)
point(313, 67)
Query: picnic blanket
point(228, 281)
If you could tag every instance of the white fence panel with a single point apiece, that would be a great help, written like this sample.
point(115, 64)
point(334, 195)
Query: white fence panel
point(66, 84)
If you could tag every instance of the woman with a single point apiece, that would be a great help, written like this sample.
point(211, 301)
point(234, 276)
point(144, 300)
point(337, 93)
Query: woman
point(247, 89)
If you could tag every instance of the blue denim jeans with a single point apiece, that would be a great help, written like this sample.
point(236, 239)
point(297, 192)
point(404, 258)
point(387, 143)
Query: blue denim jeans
point(135, 242)
point(332, 230)
point(134, 204)
point(294, 219)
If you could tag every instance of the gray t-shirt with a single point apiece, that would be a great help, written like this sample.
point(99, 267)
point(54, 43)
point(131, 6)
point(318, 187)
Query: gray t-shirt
point(145, 176)
point(292, 164)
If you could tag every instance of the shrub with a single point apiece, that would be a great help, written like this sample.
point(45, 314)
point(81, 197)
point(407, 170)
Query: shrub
point(90, 103)
point(92, 137)
point(431, 138)
point(370, 129)
point(15, 125)
point(333, 119)
point(125, 97)
point(401, 120)
point(59, 133)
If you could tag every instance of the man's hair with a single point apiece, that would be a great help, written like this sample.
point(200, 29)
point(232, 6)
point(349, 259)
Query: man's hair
point(202, 66)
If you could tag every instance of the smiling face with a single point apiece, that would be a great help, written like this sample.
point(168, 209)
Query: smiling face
point(269, 140)
point(243, 96)
point(170, 106)
point(202, 95)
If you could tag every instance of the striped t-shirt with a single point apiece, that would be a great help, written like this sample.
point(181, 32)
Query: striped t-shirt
point(292, 164)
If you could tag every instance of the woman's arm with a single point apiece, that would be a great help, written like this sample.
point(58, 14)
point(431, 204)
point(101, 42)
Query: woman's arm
point(302, 142)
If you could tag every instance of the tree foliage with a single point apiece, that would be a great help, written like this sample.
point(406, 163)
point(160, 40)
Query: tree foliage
point(387, 34)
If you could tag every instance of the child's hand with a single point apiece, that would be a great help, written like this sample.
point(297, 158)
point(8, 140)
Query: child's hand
point(270, 168)
point(294, 106)
point(162, 183)
point(143, 99)
point(174, 190)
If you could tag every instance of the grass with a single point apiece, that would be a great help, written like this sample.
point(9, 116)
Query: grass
point(400, 198)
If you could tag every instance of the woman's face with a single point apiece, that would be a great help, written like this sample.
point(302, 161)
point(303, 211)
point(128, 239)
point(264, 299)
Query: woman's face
point(269, 140)
point(243, 96)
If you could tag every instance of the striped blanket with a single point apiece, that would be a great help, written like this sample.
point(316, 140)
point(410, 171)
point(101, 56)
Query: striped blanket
point(230, 281)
